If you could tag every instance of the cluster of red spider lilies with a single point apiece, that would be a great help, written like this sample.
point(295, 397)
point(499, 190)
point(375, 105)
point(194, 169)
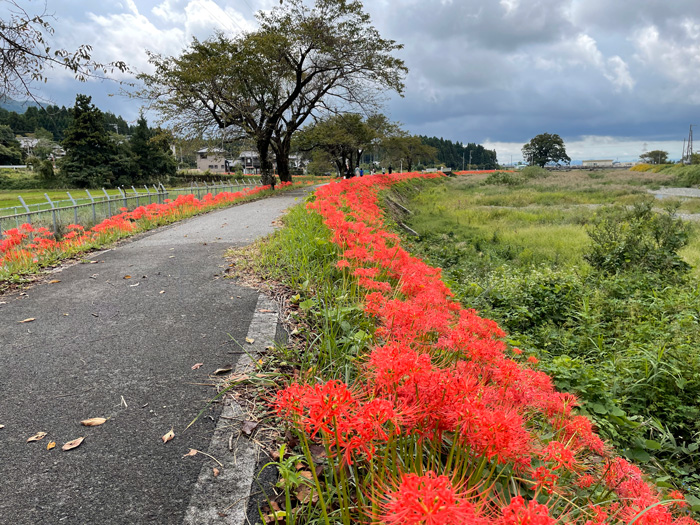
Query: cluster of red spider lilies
point(447, 424)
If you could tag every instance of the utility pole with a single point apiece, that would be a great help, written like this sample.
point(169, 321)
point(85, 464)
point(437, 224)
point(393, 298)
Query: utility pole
point(462, 159)
point(470, 160)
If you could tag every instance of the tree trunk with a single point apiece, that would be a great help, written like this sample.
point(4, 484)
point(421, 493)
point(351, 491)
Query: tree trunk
point(266, 168)
point(283, 148)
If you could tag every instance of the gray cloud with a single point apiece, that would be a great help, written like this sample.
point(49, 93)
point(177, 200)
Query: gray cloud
point(501, 70)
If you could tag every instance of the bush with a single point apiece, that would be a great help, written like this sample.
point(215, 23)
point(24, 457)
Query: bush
point(638, 239)
point(503, 178)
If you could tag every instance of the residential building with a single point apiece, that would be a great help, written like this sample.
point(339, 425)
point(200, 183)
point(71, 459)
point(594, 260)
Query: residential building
point(212, 159)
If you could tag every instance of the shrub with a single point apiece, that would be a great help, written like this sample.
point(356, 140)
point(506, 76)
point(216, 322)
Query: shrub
point(638, 239)
point(503, 178)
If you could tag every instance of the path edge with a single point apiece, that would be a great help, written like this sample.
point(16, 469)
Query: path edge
point(223, 499)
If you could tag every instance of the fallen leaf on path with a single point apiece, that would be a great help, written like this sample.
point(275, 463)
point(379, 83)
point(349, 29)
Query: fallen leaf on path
point(265, 311)
point(167, 437)
point(28, 320)
point(162, 291)
point(54, 281)
point(36, 437)
point(249, 426)
point(196, 366)
point(216, 472)
point(249, 340)
point(171, 257)
point(93, 422)
point(50, 445)
point(222, 370)
point(192, 452)
point(127, 277)
point(132, 285)
point(73, 444)
point(94, 262)
point(2, 426)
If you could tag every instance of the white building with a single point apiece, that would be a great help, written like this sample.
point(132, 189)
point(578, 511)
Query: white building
point(598, 163)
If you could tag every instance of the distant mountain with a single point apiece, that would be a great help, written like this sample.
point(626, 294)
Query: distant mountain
point(16, 105)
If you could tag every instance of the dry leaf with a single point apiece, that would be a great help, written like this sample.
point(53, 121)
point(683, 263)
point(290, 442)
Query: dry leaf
point(196, 366)
point(2, 426)
point(37, 437)
point(127, 277)
point(167, 437)
point(73, 444)
point(94, 262)
point(162, 291)
point(222, 370)
point(249, 427)
point(50, 445)
point(265, 311)
point(28, 320)
point(132, 285)
point(54, 281)
point(216, 472)
point(192, 452)
point(93, 422)
point(249, 340)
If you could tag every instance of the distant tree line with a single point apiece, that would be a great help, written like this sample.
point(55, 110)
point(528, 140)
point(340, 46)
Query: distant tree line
point(55, 120)
point(455, 154)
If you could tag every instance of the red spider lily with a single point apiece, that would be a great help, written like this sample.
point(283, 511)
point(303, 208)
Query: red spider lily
point(517, 513)
point(428, 500)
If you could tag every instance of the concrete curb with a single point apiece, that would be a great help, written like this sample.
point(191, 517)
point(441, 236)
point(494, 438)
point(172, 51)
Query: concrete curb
point(223, 499)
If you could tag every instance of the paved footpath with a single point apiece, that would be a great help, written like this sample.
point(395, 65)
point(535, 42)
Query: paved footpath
point(102, 345)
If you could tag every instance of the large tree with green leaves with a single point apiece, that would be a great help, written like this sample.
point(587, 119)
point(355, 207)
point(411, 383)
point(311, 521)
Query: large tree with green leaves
point(544, 148)
point(406, 150)
point(343, 137)
point(10, 152)
point(656, 156)
point(89, 151)
point(302, 60)
point(151, 151)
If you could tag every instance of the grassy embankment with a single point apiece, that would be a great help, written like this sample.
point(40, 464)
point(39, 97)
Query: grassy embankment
point(405, 408)
point(27, 250)
point(621, 334)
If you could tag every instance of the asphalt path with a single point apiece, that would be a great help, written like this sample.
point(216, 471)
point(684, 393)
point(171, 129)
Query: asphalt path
point(117, 339)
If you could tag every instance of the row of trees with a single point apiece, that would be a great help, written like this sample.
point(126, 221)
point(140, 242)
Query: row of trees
point(457, 155)
point(55, 120)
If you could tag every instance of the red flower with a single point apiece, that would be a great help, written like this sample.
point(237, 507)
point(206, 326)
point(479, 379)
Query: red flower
point(428, 500)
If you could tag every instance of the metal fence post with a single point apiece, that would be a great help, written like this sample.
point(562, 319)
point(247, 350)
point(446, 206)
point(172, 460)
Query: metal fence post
point(109, 203)
point(29, 213)
point(123, 193)
point(149, 194)
point(138, 203)
point(157, 194)
point(75, 207)
point(94, 214)
point(53, 212)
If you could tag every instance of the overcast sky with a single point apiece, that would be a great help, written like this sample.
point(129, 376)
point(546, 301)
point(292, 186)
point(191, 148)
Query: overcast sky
point(611, 77)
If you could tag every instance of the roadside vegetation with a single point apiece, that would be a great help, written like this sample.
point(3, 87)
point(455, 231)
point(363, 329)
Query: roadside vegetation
point(403, 406)
point(27, 250)
point(596, 280)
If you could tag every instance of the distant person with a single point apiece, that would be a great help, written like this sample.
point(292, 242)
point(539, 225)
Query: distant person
point(383, 171)
point(348, 172)
point(357, 171)
point(390, 169)
point(362, 172)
